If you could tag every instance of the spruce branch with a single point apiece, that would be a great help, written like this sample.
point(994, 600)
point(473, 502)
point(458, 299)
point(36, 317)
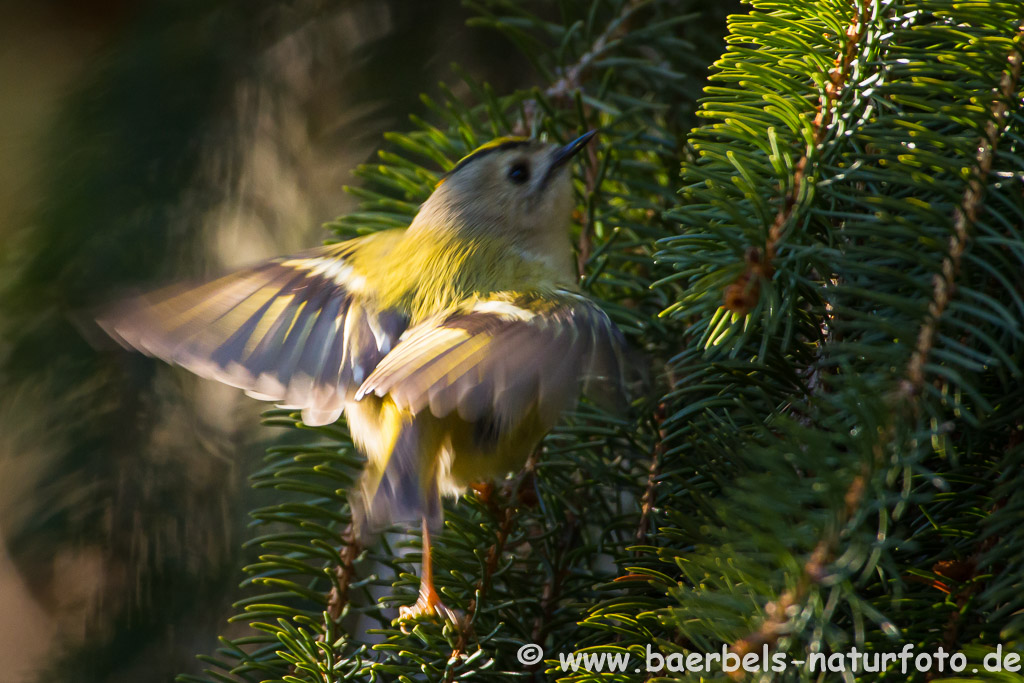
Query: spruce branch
point(571, 78)
point(905, 402)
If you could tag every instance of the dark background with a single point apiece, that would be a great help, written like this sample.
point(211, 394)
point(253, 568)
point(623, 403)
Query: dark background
point(142, 143)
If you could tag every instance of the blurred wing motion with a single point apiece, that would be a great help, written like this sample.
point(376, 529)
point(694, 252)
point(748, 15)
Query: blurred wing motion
point(292, 329)
point(502, 357)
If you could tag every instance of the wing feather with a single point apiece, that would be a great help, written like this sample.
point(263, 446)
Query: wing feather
point(500, 358)
point(290, 329)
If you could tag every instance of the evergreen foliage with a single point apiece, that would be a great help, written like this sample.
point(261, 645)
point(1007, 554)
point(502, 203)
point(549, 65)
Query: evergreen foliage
point(828, 452)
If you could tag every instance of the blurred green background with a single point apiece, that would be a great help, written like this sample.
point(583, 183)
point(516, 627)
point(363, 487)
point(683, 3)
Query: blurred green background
point(142, 143)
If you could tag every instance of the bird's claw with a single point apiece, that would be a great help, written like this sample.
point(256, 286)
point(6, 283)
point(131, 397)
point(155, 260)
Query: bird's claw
point(428, 606)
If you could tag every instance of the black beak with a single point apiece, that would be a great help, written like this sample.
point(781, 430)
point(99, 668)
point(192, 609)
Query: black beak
point(566, 153)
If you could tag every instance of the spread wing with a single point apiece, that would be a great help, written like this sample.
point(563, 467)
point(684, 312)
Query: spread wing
point(502, 357)
point(292, 329)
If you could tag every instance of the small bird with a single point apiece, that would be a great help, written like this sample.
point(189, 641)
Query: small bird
point(451, 346)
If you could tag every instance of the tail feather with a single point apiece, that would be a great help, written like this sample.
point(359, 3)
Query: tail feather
point(399, 484)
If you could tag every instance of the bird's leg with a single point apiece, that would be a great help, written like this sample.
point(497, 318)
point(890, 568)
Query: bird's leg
point(429, 602)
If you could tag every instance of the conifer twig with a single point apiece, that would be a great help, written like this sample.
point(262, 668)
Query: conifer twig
point(344, 573)
point(741, 296)
point(650, 491)
point(964, 217)
point(573, 76)
point(552, 590)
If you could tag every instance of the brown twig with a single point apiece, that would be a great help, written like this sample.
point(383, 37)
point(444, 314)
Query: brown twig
point(650, 491)
point(742, 295)
point(344, 573)
point(964, 216)
point(506, 517)
point(570, 80)
point(777, 612)
point(572, 77)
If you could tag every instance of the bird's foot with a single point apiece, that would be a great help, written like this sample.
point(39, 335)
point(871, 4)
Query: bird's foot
point(428, 606)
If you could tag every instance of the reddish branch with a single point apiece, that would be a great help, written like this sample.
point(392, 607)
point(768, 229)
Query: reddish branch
point(777, 612)
point(741, 296)
point(650, 492)
point(570, 80)
point(343, 573)
point(573, 75)
point(506, 523)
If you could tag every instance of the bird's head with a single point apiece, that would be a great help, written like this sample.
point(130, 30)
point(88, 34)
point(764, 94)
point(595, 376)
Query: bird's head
point(517, 190)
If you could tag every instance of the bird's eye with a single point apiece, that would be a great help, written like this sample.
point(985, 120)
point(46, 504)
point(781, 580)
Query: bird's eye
point(519, 172)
